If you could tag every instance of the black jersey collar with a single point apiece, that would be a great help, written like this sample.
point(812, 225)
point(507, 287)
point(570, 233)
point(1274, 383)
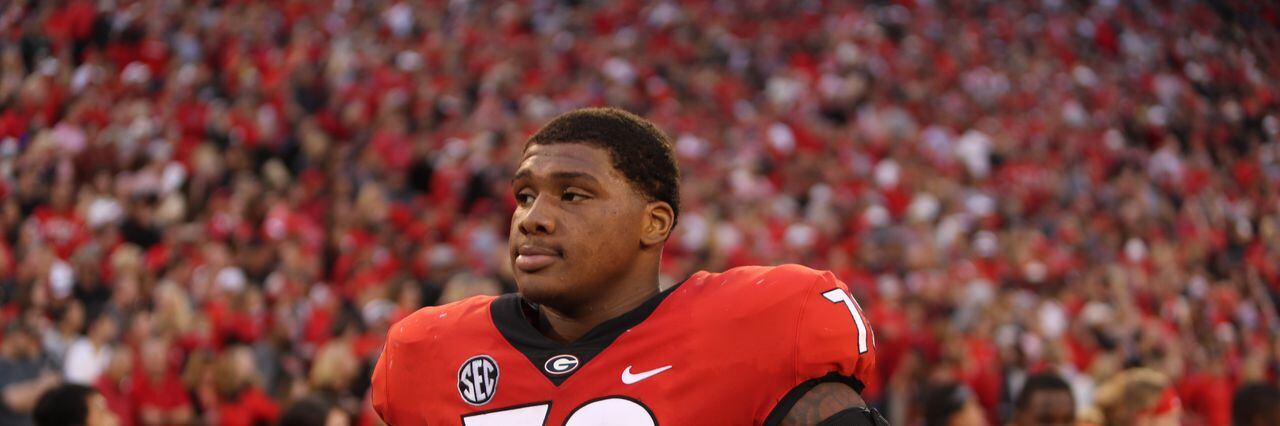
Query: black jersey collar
point(509, 315)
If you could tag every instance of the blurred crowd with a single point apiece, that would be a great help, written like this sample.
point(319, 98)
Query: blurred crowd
point(212, 209)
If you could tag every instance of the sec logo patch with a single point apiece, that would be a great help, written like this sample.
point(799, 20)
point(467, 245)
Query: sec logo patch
point(478, 379)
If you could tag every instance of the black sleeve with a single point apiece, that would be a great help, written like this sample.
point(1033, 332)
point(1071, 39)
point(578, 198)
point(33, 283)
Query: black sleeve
point(789, 400)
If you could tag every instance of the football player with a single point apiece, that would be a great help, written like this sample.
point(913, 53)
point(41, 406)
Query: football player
point(591, 338)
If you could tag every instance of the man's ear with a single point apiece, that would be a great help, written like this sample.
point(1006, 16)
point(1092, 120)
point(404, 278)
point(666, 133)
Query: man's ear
point(660, 219)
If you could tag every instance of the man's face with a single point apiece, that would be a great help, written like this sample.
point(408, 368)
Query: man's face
point(25, 346)
point(576, 227)
point(337, 417)
point(104, 328)
point(1046, 408)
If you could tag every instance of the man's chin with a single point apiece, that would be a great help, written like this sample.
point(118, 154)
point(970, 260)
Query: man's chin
point(544, 290)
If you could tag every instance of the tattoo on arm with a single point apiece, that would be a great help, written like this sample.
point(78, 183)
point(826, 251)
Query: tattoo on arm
point(821, 402)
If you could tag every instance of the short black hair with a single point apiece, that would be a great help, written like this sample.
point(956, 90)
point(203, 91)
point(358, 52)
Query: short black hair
point(65, 405)
point(1041, 382)
point(641, 152)
point(1255, 403)
point(944, 400)
point(306, 411)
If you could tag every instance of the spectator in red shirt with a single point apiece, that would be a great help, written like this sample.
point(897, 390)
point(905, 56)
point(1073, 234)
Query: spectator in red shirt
point(160, 395)
point(59, 224)
point(116, 385)
point(241, 402)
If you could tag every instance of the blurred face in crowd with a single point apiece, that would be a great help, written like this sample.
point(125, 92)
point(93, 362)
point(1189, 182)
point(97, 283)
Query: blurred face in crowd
point(1172, 417)
point(243, 364)
point(577, 224)
point(153, 358)
point(1045, 408)
point(104, 329)
point(970, 415)
point(337, 417)
point(99, 414)
point(121, 365)
point(60, 197)
point(21, 345)
point(234, 370)
point(73, 319)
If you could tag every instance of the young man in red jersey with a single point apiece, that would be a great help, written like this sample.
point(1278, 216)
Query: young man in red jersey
point(591, 338)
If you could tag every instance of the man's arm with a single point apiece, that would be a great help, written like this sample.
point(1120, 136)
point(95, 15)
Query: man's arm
point(832, 403)
point(379, 393)
point(834, 350)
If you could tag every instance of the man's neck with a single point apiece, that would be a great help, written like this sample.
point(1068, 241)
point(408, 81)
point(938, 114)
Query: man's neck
point(567, 327)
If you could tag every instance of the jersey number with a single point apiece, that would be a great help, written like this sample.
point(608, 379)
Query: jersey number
point(836, 295)
point(618, 411)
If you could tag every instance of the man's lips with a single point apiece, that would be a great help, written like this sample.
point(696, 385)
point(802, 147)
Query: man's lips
point(530, 258)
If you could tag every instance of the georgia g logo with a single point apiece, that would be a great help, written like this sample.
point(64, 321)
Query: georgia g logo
point(478, 379)
point(561, 364)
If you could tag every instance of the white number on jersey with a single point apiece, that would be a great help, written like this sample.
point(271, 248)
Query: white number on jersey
point(836, 295)
point(609, 411)
point(530, 415)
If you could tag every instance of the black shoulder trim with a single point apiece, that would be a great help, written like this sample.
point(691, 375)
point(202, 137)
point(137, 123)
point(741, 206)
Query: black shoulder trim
point(857, 416)
point(792, 397)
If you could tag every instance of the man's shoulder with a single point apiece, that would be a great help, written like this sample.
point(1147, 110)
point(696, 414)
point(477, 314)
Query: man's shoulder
point(758, 281)
point(803, 319)
point(13, 371)
point(753, 290)
point(789, 271)
point(432, 321)
point(7, 366)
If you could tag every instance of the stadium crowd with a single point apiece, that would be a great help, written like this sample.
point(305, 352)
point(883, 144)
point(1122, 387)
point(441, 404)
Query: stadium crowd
point(211, 209)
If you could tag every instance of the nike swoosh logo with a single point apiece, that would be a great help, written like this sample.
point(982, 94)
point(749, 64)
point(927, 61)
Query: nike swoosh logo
point(628, 378)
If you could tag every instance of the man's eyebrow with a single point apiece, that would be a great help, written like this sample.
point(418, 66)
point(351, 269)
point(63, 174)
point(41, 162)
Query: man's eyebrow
point(526, 174)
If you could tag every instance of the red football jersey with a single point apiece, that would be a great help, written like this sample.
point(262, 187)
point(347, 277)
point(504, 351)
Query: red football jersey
point(738, 347)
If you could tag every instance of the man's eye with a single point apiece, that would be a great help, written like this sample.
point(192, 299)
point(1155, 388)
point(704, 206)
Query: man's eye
point(523, 198)
point(573, 196)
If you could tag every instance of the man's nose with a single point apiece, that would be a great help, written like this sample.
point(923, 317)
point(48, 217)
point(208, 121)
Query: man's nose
point(536, 219)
